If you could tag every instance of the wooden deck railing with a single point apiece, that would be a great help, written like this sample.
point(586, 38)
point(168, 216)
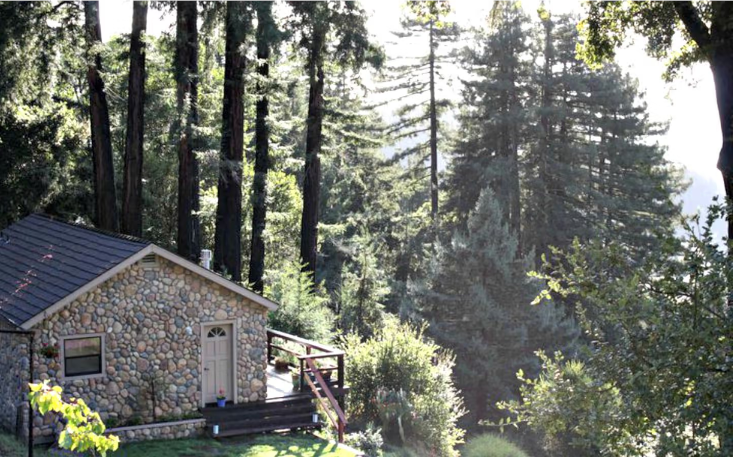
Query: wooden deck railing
point(307, 355)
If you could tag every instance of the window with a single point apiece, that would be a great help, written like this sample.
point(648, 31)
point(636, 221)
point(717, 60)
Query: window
point(83, 356)
point(215, 332)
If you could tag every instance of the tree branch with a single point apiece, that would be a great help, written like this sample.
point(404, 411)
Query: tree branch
point(696, 28)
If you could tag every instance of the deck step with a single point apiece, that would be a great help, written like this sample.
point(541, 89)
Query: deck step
point(262, 429)
point(260, 414)
point(273, 423)
point(264, 416)
point(261, 405)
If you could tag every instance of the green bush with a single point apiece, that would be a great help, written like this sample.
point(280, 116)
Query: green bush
point(392, 451)
point(490, 445)
point(399, 362)
point(368, 441)
point(302, 309)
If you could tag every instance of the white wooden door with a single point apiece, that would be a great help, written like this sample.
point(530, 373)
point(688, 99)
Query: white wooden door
point(217, 357)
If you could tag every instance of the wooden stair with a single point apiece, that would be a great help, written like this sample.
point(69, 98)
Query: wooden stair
point(288, 413)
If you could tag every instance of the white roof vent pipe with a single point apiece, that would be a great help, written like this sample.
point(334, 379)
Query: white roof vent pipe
point(206, 258)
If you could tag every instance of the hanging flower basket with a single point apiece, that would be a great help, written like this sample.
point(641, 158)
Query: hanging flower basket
point(49, 351)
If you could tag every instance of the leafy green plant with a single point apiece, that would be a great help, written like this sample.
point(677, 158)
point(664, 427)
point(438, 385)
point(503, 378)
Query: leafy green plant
point(394, 407)
point(302, 309)
point(368, 441)
point(655, 374)
point(112, 422)
point(490, 445)
point(400, 359)
point(84, 431)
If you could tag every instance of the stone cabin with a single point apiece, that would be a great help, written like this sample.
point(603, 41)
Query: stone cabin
point(131, 328)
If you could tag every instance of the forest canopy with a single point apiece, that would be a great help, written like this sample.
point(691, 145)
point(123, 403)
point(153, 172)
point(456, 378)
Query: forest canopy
point(257, 130)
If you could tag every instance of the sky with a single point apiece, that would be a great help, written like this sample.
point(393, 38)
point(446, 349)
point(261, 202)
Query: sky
point(688, 104)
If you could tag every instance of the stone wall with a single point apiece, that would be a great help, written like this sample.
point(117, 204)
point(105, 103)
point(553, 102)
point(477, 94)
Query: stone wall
point(163, 431)
point(143, 313)
point(14, 376)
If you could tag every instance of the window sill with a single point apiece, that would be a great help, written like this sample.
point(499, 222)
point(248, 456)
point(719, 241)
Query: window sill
point(82, 377)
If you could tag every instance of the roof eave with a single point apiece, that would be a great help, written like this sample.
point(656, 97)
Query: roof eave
point(87, 287)
point(151, 249)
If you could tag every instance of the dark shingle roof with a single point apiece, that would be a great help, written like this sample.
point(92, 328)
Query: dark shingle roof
point(42, 260)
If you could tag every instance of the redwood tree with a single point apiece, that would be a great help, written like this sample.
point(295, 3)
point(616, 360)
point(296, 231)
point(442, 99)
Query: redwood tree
point(228, 236)
point(132, 184)
point(265, 36)
point(315, 21)
point(104, 175)
point(188, 241)
point(314, 121)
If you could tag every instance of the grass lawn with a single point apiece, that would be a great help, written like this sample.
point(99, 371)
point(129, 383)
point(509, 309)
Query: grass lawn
point(273, 445)
point(293, 445)
point(10, 447)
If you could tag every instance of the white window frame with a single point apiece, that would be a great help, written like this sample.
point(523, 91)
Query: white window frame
point(103, 357)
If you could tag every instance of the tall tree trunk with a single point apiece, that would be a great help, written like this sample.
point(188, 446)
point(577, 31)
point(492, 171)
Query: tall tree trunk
point(188, 240)
point(722, 69)
point(540, 228)
point(262, 139)
point(105, 202)
point(132, 184)
point(228, 234)
point(716, 42)
point(514, 166)
point(721, 66)
point(312, 175)
point(434, 126)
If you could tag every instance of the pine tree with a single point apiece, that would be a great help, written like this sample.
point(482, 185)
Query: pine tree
point(560, 145)
point(477, 298)
point(415, 82)
point(315, 22)
point(362, 290)
point(228, 235)
point(494, 117)
point(45, 164)
point(358, 190)
point(589, 172)
point(132, 184)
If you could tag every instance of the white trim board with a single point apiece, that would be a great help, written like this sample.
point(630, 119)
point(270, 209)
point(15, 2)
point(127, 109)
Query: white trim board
point(155, 425)
point(103, 355)
point(173, 258)
point(235, 364)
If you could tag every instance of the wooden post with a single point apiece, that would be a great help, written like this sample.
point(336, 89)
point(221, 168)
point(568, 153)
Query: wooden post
point(270, 349)
point(340, 380)
point(30, 408)
point(300, 361)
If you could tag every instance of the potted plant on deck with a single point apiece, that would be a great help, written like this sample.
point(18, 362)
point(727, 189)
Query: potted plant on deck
point(281, 364)
point(221, 398)
point(296, 379)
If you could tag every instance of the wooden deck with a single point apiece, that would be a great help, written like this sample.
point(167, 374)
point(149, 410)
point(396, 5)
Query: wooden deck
point(280, 384)
point(320, 371)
